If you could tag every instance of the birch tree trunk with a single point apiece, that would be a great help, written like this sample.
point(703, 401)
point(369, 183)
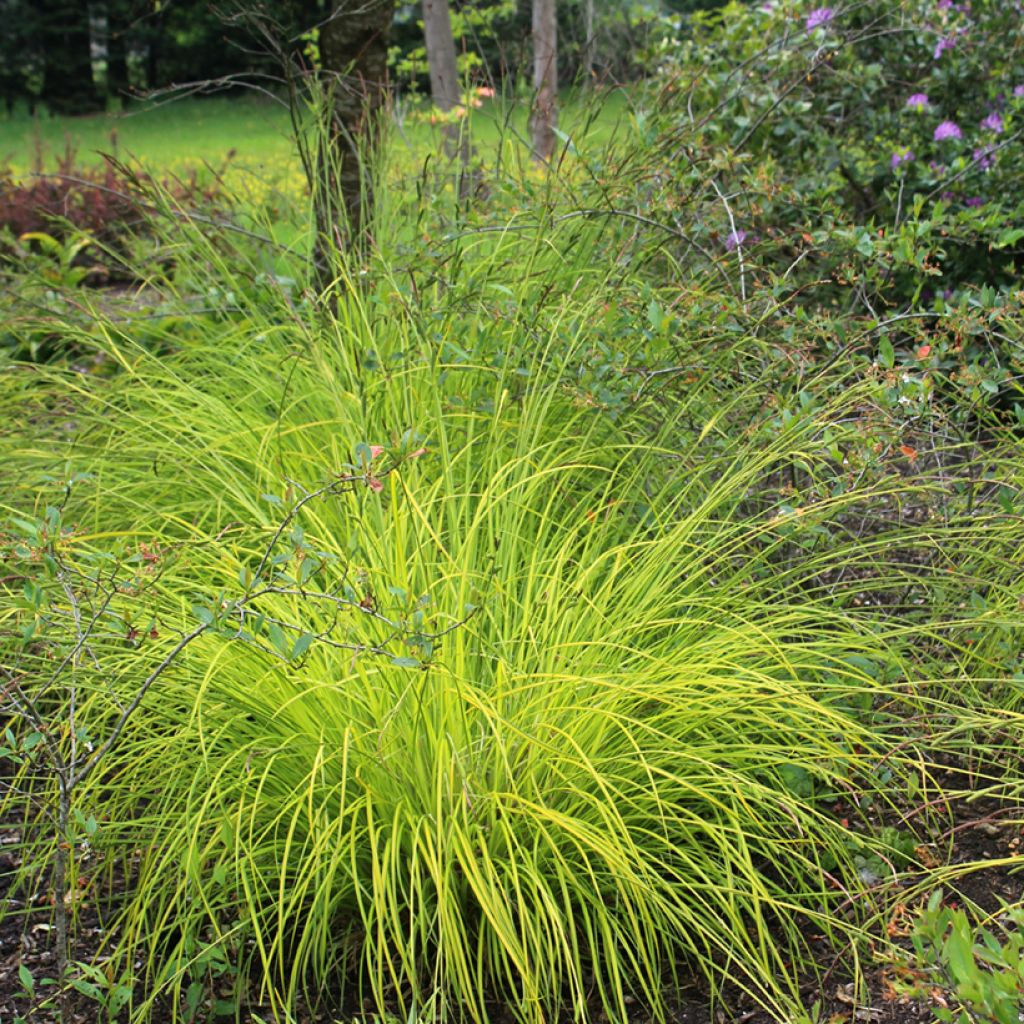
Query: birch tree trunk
point(544, 116)
point(444, 73)
point(444, 83)
point(588, 42)
point(354, 58)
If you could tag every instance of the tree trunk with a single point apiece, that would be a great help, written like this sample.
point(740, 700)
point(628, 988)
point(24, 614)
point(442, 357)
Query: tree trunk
point(354, 58)
point(544, 116)
point(118, 83)
point(588, 42)
point(444, 73)
point(444, 84)
point(68, 86)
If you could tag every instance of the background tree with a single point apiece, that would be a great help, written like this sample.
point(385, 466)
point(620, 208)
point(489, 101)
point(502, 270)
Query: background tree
point(445, 90)
point(588, 48)
point(544, 115)
point(118, 27)
point(444, 72)
point(19, 46)
point(354, 66)
point(68, 86)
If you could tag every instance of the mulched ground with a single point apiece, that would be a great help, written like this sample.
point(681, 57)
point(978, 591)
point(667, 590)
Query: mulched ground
point(980, 832)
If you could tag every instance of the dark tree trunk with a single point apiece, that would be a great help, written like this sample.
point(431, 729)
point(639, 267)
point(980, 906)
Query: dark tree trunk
point(544, 116)
point(68, 86)
point(153, 62)
point(118, 83)
point(354, 59)
point(150, 33)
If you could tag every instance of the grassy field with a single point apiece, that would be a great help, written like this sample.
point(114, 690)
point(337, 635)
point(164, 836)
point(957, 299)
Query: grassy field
point(253, 136)
point(162, 135)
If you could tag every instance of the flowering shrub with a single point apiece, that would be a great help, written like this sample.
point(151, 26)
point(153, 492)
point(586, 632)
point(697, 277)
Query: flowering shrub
point(873, 150)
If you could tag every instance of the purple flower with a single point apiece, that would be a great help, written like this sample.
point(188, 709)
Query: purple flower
point(974, 201)
point(944, 5)
point(947, 196)
point(947, 130)
point(993, 123)
point(983, 156)
point(735, 239)
point(818, 17)
point(945, 43)
point(901, 155)
point(1018, 91)
point(936, 168)
point(919, 101)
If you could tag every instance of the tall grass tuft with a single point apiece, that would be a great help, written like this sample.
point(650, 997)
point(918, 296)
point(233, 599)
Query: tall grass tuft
point(614, 764)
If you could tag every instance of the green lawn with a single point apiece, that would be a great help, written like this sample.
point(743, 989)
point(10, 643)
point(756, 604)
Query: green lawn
point(255, 131)
point(163, 135)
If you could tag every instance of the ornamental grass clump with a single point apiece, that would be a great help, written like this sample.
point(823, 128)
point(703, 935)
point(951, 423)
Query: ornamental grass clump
point(564, 726)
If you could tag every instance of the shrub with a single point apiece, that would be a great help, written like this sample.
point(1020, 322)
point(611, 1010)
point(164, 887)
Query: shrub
point(107, 204)
point(969, 974)
point(859, 160)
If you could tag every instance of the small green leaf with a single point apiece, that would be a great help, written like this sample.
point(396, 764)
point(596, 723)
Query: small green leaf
point(87, 989)
point(1008, 237)
point(203, 614)
point(118, 999)
point(886, 355)
point(278, 639)
point(404, 662)
point(194, 996)
point(27, 981)
point(958, 953)
point(302, 645)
